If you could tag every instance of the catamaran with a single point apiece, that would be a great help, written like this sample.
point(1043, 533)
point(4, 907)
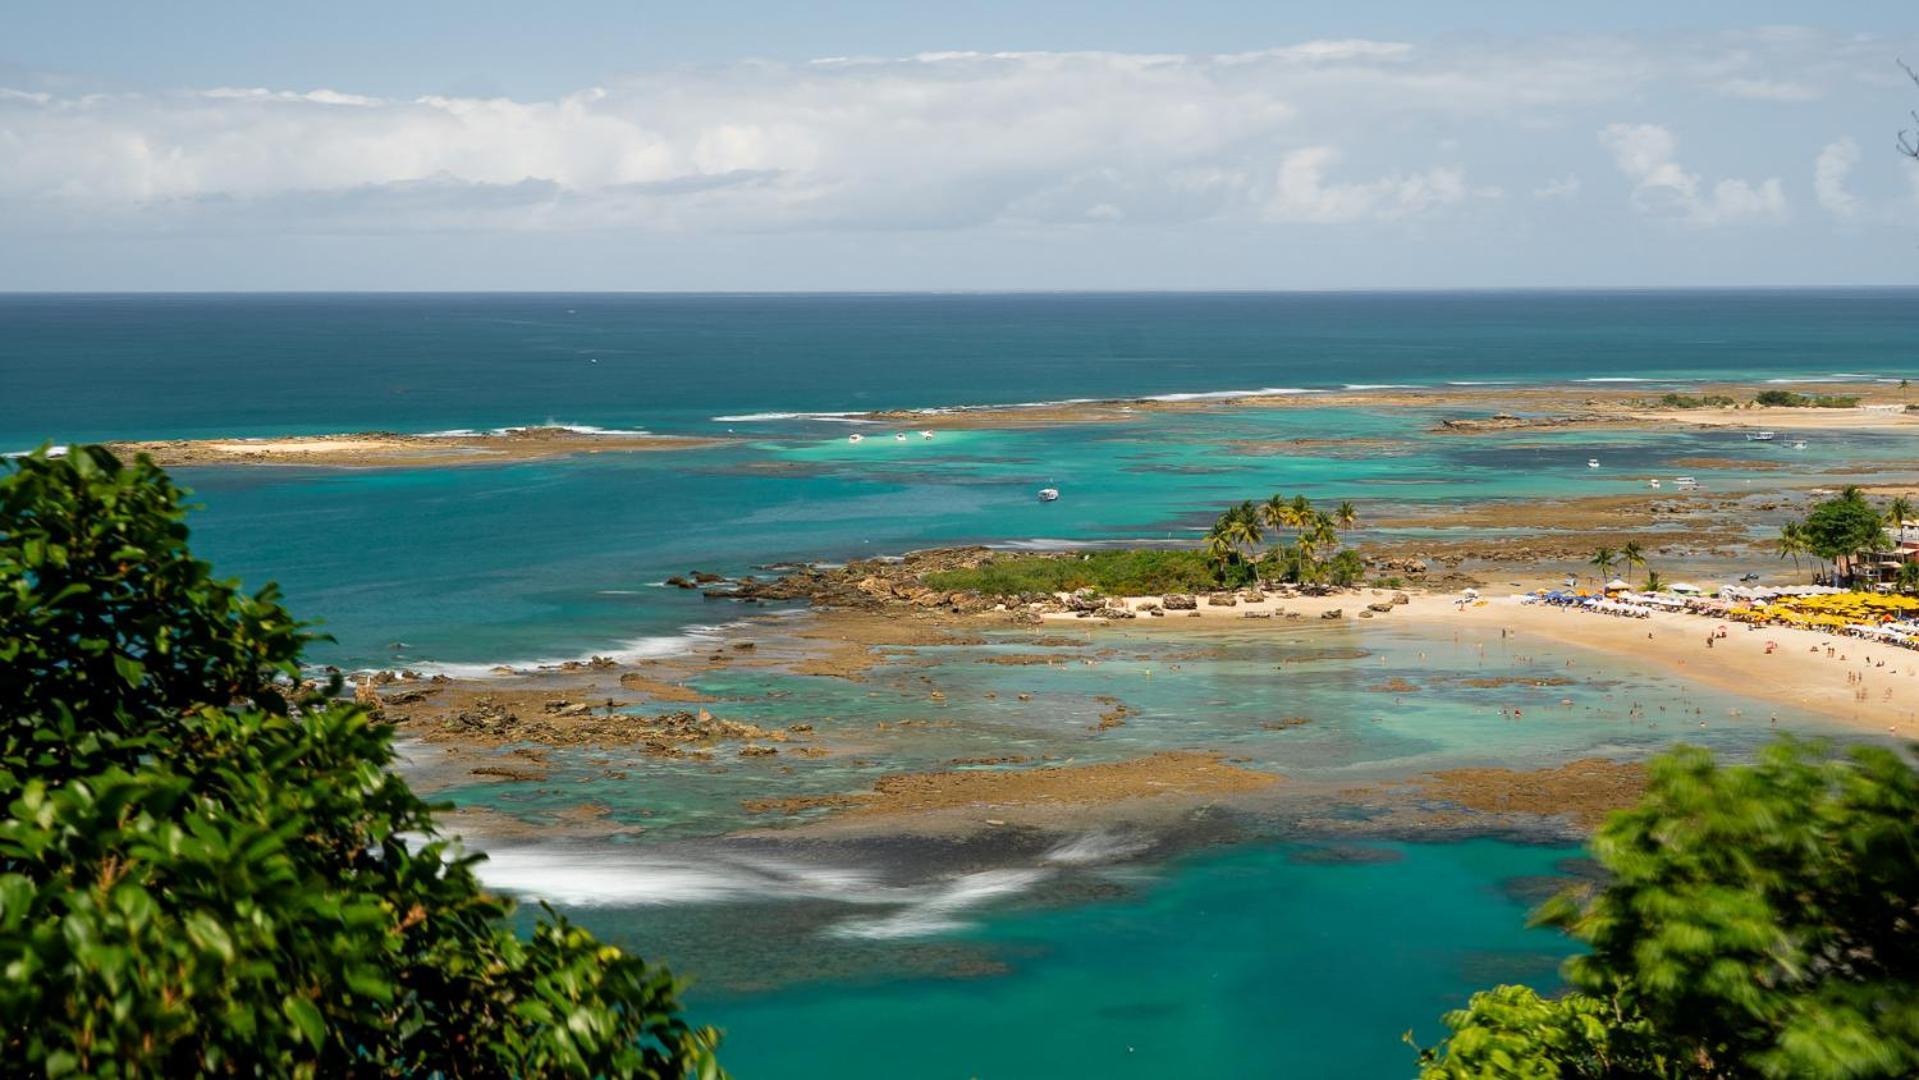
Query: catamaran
point(1761, 436)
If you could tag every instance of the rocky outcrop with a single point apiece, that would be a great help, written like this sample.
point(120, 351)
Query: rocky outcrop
point(1509, 422)
point(1179, 602)
point(564, 723)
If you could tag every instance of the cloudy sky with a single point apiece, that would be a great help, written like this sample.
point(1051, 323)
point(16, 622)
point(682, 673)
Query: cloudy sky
point(864, 145)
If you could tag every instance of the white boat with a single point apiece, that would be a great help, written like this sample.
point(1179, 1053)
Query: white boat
point(926, 434)
point(1048, 494)
point(1652, 483)
point(856, 437)
point(1685, 481)
point(1799, 444)
point(1761, 436)
point(1592, 463)
point(899, 436)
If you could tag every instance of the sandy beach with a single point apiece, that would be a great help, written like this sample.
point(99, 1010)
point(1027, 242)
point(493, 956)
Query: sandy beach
point(377, 449)
point(1868, 686)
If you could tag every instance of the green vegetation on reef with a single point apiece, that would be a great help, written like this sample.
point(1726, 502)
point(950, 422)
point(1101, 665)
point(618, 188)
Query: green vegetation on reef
point(1789, 399)
point(1757, 920)
point(1704, 401)
point(1312, 556)
point(206, 868)
point(1114, 573)
point(1231, 556)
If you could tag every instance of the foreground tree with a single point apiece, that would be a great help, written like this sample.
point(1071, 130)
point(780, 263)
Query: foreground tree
point(1759, 920)
point(1844, 527)
point(205, 868)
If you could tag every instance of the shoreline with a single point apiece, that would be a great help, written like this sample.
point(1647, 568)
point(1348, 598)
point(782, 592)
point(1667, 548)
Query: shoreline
point(1569, 405)
point(388, 449)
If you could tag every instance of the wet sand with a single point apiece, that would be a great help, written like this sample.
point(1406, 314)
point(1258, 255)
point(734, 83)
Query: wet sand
point(1838, 677)
point(386, 449)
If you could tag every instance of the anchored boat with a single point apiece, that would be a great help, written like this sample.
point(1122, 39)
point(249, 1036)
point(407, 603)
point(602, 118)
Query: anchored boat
point(1048, 494)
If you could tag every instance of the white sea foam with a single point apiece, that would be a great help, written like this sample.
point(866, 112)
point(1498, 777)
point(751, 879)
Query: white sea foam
point(1097, 847)
point(602, 877)
point(951, 410)
point(625, 652)
point(759, 417)
point(56, 450)
point(937, 907)
point(1479, 382)
point(1222, 395)
point(599, 876)
point(1382, 386)
point(577, 429)
point(1612, 379)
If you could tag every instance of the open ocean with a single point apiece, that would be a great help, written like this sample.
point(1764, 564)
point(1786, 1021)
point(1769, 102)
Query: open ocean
point(1262, 956)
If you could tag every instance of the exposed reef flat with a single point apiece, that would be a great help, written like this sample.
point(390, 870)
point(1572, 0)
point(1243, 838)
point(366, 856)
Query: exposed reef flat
point(1174, 773)
point(387, 449)
point(1570, 406)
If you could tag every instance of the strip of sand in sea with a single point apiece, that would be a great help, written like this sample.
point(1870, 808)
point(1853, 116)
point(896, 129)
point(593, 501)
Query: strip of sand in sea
point(387, 449)
point(1880, 407)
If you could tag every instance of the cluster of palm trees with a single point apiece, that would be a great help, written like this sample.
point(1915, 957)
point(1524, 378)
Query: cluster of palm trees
point(1843, 529)
point(1313, 555)
point(1627, 556)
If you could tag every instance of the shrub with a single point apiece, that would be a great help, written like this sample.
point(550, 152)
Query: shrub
point(1706, 401)
point(1756, 921)
point(1116, 573)
point(1788, 399)
point(205, 868)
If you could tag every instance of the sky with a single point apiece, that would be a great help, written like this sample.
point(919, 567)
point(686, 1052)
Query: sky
point(1210, 144)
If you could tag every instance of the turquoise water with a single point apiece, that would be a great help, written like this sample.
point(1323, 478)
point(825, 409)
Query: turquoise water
point(1266, 960)
point(1254, 945)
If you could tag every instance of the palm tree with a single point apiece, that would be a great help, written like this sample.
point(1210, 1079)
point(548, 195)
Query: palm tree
point(1654, 582)
point(1791, 542)
point(1346, 516)
point(1604, 558)
point(1277, 512)
point(1897, 512)
point(1240, 526)
point(1632, 555)
point(1909, 577)
point(1220, 551)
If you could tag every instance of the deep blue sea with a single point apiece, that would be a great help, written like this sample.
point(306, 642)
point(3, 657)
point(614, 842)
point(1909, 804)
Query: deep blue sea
point(1263, 956)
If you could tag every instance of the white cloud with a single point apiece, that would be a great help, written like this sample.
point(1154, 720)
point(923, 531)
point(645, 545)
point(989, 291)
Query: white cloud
point(1829, 174)
point(1565, 187)
point(1645, 153)
point(1301, 193)
point(941, 140)
point(1768, 90)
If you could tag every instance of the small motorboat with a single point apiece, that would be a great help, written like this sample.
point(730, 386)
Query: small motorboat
point(1761, 436)
point(1799, 444)
point(1592, 463)
point(926, 434)
point(1048, 494)
point(1652, 483)
point(1685, 481)
point(899, 436)
point(856, 437)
